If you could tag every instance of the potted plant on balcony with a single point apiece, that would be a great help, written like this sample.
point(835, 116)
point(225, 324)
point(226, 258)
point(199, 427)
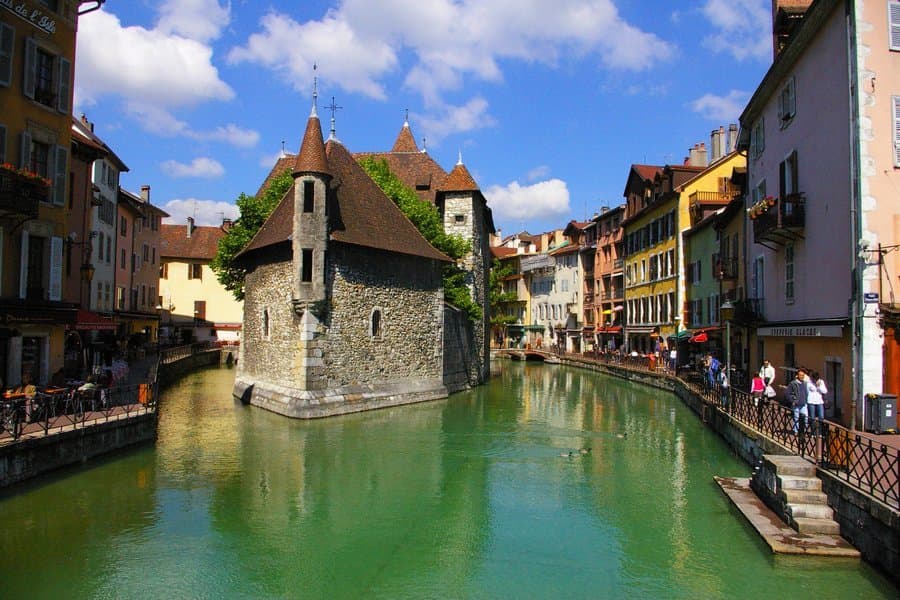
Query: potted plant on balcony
point(29, 184)
point(760, 207)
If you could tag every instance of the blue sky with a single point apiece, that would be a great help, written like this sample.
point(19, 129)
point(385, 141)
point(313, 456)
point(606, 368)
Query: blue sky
point(548, 102)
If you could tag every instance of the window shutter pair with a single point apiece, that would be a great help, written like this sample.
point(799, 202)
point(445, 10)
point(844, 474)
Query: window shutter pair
point(7, 46)
point(63, 75)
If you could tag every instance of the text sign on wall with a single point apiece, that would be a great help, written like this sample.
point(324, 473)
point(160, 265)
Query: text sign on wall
point(35, 16)
point(801, 331)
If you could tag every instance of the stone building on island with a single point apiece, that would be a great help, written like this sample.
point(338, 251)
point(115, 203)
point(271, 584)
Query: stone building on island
point(344, 304)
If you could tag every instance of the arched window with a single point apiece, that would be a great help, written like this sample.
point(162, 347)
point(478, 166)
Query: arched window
point(375, 324)
point(265, 323)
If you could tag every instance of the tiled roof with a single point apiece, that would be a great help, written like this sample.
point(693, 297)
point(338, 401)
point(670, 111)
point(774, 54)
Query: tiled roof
point(364, 215)
point(284, 164)
point(503, 251)
point(311, 158)
point(416, 170)
point(405, 141)
point(459, 180)
point(202, 245)
point(647, 171)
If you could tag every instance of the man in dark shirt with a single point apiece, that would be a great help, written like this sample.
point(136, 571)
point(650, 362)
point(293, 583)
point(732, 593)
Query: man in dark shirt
point(796, 395)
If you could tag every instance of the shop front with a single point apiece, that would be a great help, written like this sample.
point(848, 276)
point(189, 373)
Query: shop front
point(32, 340)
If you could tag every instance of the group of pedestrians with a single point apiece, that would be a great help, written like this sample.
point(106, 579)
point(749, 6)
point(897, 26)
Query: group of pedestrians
point(805, 395)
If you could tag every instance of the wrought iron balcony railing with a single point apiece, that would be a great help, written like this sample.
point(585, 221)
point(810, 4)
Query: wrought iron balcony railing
point(20, 195)
point(778, 220)
point(726, 268)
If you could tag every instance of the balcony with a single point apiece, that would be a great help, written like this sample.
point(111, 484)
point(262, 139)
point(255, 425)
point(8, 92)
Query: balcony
point(618, 263)
point(588, 298)
point(749, 310)
point(701, 204)
point(20, 194)
point(778, 220)
point(726, 269)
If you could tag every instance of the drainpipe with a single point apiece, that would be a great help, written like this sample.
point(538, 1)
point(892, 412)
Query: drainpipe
point(855, 220)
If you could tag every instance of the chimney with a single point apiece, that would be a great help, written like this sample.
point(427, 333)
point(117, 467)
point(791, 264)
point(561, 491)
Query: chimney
point(697, 157)
point(226, 224)
point(190, 226)
point(731, 139)
point(145, 193)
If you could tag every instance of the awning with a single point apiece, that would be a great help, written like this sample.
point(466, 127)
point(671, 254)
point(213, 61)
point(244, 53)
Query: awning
point(610, 329)
point(86, 320)
point(699, 338)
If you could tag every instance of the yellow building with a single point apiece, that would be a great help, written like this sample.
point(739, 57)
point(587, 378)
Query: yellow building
point(652, 224)
point(194, 305)
point(37, 49)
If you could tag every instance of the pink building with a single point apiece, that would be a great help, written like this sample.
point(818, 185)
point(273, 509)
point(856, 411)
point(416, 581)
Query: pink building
point(822, 186)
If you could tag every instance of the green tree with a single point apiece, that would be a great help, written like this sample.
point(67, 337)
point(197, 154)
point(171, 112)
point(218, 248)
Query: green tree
point(253, 213)
point(427, 220)
point(500, 271)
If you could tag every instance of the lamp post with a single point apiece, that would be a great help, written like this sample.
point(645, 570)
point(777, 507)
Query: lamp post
point(726, 312)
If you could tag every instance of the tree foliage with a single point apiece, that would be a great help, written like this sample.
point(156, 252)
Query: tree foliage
point(499, 271)
point(427, 220)
point(253, 213)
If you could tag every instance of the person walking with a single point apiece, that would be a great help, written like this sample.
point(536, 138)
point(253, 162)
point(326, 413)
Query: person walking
point(767, 372)
point(815, 399)
point(724, 389)
point(757, 387)
point(797, 395)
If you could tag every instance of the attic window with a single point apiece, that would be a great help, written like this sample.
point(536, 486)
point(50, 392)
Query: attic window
point(423, 181)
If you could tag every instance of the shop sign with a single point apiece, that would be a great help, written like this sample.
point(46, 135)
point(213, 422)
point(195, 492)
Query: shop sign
point(35, 16)
point(801, 331)
point(870, 297)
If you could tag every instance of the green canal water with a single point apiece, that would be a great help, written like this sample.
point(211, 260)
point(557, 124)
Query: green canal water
point(463, 498)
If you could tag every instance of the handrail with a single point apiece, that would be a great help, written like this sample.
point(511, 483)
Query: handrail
point(860, 461)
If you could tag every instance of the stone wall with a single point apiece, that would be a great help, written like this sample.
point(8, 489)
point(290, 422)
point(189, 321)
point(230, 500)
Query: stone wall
point(871, 526)
point(325, 359)
point(460, 364)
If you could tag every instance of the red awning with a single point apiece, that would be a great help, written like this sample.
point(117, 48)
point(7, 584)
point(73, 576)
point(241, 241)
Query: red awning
point(91, 321)
point(699, 338)
point(610, 329)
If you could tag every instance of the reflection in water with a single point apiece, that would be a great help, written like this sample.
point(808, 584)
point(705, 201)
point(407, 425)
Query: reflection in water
point(467, 497)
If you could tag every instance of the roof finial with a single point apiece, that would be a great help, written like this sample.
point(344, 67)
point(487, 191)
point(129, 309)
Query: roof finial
point(424, 149)
point(406, 119)
point(315, 92)
point(334, 108)
point(459, 162)
point(283, 153)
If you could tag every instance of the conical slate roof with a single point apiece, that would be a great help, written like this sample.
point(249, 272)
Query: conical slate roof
point(459, 180)
point(405, 141)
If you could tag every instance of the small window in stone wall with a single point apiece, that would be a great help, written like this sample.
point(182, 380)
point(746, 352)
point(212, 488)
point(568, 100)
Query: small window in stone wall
point(265, 324)
point(459, 218)
point(309, 196)
point(376, 325)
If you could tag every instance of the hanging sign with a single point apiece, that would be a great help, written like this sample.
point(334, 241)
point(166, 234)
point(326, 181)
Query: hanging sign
point(870, 297)
point(35, 16)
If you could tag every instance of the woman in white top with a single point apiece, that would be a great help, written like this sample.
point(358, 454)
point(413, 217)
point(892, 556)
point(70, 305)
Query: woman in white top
point(815, 397)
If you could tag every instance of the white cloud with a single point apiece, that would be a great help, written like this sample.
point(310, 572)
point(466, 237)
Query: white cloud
point(537, 173)
point(201, 20)
point(290, 49)
point(144, 65)
point(163, 123)
point(447, 120)
point(205, 212)
point(358, 43)
point(742, 28)
point(199, 167)
point(722, 109)
point(544, 200)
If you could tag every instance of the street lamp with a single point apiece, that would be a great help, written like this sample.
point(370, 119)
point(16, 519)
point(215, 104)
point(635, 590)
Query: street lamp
point(726, 312)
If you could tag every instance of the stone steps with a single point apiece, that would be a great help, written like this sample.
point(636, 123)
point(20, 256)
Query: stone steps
point(811, 511)
point(793, 496)
point(793, 482)
point(826, 526)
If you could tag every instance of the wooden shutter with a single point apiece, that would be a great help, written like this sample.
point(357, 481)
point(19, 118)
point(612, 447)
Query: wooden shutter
point(61, 169)
point(894, 19)
point(25, 150)
point(63, 84)
point(30, 68)
point(56, 248)
point(7, 47)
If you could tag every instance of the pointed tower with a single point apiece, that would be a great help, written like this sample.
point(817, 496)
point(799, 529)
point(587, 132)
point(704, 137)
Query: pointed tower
point(405, 141)
point(465, 213)
point(310, 227)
